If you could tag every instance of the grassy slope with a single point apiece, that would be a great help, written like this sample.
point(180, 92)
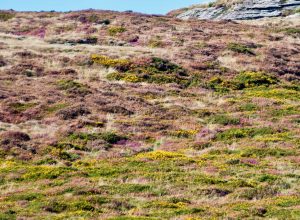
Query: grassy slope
point(107, 136)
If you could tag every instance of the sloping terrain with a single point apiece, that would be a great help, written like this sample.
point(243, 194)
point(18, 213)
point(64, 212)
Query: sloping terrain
point(241, 9)
point(107, 115)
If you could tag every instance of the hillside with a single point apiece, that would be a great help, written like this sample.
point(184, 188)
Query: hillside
point(241, 10)
point(107, 115)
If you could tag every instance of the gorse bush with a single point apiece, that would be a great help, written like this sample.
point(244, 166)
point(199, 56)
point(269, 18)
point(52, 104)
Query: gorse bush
point(236, 133)
point(160, 155)
point(247, 79)
point(119, 64)
point(184, 133)
point(252, 79)
point(153, 70)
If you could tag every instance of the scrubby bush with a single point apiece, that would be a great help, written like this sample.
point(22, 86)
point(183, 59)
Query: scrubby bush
point(19, 107)
point(247, 79)
point(153, 70)
point(154, 43)
point(73, 112)
point(112, 138)
point(252, 79)
point(97, 20)
point(5, 16)
point(184, 133)
point(73, 87)
point(79, 141)
point(119, 64)
point(113, 31)
point(236, 133)
point(160, 155)
point(224, 120)
point(240, 48)
point(292, 31)
point(55, 206)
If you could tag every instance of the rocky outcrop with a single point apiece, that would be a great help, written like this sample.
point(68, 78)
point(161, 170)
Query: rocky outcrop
point(246, 10)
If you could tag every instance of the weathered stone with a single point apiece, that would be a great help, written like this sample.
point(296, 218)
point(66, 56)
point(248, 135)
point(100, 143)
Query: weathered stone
point(246, 10)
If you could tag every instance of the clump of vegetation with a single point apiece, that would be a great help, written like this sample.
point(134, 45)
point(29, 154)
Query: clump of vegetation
point(55, 206)
point(252, 79)
point(79, 141)
point(184, 133)
point(155, 70)
point(240, 48)
point(236, 133)
point(119, 64)
point(160, 155)
point(97, 20)
point(243, 80)
point(73, 87)
point(5, 16)
point(55, 107)
point(155, 43)
point(113, 31)
point(292, 31)
point(224, 120)
point(21, 107)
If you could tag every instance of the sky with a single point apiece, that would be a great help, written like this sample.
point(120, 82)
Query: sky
point(144, 6)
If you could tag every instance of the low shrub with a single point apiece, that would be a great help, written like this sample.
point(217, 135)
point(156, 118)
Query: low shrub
point(292, 31)
point(119, 64)
point(73, 112)
point(153, 70)
point(113, 31)
point(55, 206)
point(265, 152)
point(236, 133)
point(224, 120)
point(155, 43)
point(160, 155)
point(73, 87)
point(184, 133)
point(79, 141)
point(5, 16)
point(244, 80)
point(97, 20)
point(112, 138)
point(252, 79)
point(19, 107)
point(240, 48)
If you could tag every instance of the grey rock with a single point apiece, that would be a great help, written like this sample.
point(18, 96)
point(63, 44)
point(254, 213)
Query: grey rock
point(246, 10)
